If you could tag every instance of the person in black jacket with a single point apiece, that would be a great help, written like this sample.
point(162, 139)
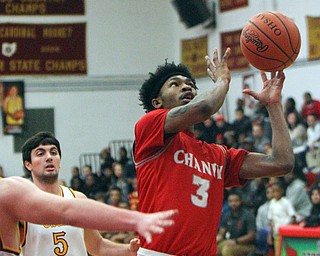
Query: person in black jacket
point(313, 220)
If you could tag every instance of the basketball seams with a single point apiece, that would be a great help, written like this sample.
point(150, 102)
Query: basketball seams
point(270, 39)
point(267, 58)
point(288, 34)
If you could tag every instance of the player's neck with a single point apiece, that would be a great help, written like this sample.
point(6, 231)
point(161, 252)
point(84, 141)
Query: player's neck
point(52, 188)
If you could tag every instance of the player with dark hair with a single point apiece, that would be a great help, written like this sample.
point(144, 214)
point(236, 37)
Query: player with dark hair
point(175, 169)
point(20, 200)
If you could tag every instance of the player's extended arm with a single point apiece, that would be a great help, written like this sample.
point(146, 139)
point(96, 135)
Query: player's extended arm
point(27, 202)
point(281, 161)
point(97, 245)
point(204, 104)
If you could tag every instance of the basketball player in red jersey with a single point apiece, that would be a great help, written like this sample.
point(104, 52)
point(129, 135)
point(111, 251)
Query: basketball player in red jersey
point(176, 170)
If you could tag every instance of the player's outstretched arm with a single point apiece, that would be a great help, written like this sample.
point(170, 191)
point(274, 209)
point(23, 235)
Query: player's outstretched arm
point(24, 201)
point(281, 161)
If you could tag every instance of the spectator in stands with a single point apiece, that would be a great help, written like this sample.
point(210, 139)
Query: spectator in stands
point(106, 179)
point(77, 183)
point(241, 123)
point(106, 159)
point(263, 227)
point(87, 170)
point(296, 191)
point(114, 196)
point(133, 196)
point(129, 170)
point(310, 106)
point(123, 156)
point(261, 117)
point(231, 141)
point(222, 126)
point(281, 212)
point(249, 105)
point(313, 219)
point(238, 229)
point(206, 131)
point(290, 107)
point(313, 134)
point(247, 143)
point(75, 174)
point(259, 138)
point(120, 181)
point(298, 135)
point(91, 186)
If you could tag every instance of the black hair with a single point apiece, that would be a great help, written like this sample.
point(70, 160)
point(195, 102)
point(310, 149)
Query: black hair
point(152, 86)
point(40, 138)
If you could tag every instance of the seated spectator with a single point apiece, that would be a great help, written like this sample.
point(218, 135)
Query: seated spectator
point(129, 170)
point(205, 131)
point(259, 138)
point(90, 186)
point(238, 229)
point(76, 183)
point(313, 219)
point(290, 107)
point(113, 196)
point(298, 135)
point(106, 179)
point(296, 191)
point(281, 212)
point(241, 123)
point(263, 228)
point(133, 195)
point(87, 170)
point(106, 159)
point(310, 106)
point(222, 126)
point(123, 156)
point(313, 134)
point(120, 181)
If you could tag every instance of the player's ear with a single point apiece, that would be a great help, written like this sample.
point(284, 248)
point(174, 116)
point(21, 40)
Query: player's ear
point(157, 102)
point(27, 165)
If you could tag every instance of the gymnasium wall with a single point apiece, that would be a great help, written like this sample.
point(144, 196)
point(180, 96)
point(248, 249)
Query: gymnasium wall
point(126, 40)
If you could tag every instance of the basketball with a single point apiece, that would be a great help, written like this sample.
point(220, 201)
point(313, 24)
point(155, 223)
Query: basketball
point(270, 41)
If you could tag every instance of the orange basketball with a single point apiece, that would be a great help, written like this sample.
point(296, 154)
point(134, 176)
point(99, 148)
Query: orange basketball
point(270, 41)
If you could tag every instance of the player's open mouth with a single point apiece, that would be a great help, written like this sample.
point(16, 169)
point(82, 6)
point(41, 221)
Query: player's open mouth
point(49, 167)
point(187, 97)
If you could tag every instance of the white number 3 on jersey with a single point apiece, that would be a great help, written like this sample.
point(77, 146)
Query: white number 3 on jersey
point(201, 197)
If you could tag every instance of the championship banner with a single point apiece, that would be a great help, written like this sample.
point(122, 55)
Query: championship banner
point(193, 54)
point(227, 5)
point(43, 49)
point(42, 7)
point(314, 37)
point(236, 60)
point(12, 104)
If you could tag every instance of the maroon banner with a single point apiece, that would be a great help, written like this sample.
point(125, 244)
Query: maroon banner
point(227, 5)
point(43, 49)
point(13, 113)
point(42, 7)
point(236, 60)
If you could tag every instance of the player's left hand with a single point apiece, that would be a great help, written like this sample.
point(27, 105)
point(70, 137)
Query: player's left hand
point(271, 91)
point(155, 223)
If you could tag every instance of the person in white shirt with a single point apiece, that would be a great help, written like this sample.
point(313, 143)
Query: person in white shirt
point(281, 212)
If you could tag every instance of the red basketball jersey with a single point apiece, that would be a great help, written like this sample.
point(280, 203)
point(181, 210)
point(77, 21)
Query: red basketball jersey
point(185, 174)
